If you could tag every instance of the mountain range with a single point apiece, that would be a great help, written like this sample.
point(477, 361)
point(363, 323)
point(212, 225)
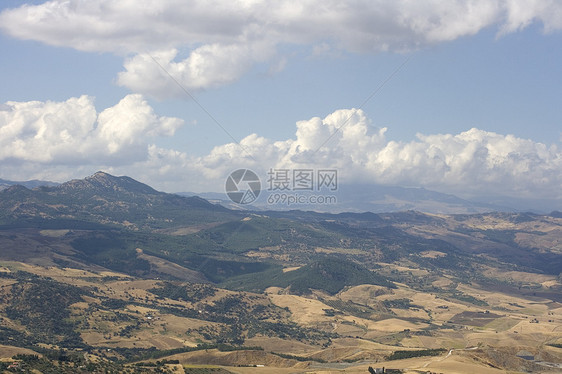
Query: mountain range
point(371, 198)
point(105, 199)
point(146, 282)
point(381, 199)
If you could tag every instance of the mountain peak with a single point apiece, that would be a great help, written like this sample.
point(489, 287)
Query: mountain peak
point(101, 174)
point(106, 178)
point(102, 177)
point(105, 182)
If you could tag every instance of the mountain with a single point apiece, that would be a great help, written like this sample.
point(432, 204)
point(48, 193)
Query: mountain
point(383, 199)
point(533, 204)
point(369, 198)
point(103, 183)
point(28, 184)
point(106, 199)
point(106, 274)
point(194, 227)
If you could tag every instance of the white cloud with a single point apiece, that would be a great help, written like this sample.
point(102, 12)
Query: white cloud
point(474, 162)
point(64, 140)
point(522, 14)
point(130, 123)
point(207, 66)
point(73, 133)
point(223, 39)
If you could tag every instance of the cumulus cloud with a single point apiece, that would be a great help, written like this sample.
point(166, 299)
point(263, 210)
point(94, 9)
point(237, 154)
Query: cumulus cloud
point(63, 140)
point(206, 67)
point(470, 163)
point(223, 39)
point(72, 132)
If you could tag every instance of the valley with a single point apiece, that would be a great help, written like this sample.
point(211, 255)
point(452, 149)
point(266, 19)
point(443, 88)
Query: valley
point(107, 274)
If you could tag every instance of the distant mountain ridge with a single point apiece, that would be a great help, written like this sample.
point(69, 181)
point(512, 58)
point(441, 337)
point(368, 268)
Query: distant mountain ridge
point(370, 198)
point(106, 199)
point(123, 201)
point(350, 198)
point(27, 184)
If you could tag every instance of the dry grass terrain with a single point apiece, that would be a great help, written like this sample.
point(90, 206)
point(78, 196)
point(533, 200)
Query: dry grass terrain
point(429, 321)
point(443, 310)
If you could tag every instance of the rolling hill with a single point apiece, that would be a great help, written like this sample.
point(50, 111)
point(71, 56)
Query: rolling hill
point(146, 281)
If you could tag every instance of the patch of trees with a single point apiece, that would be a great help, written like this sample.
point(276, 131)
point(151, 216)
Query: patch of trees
point(218, 269)
point(349, 307)
point(290, 331)
point(242, 236)
point(400, 304)
point(298, 358)
point(16, 338)
point(107, 249)
point(142, 354)
point(240, 319)
point(73, 363)
point(468, 298)
point(332, 275)
point(187, 292)
point(329, 274)
point(41, 305)
point(114, 304)
point(158, 363)
point(400, 355)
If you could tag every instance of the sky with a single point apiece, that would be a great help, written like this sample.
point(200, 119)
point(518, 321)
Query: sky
point(462, 96)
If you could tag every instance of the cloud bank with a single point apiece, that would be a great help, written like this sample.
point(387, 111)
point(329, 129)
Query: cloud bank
point(205, 44)
point(72, 132)
point(471, 163)
point(64, 140)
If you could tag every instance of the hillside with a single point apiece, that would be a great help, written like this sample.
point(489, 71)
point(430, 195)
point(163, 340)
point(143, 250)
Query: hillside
point(105, 199)
point(143, 276)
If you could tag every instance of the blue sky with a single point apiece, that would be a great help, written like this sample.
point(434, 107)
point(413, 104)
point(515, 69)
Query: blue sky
point(475, 108)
